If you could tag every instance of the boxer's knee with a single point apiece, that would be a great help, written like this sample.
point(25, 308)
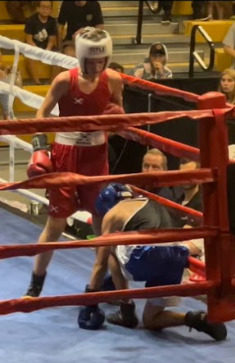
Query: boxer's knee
point(53, 229)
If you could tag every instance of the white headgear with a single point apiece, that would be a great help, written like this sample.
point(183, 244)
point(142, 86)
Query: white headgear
point(93, 43)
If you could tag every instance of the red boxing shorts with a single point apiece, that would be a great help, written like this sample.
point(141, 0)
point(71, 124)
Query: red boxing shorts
point(88, 160)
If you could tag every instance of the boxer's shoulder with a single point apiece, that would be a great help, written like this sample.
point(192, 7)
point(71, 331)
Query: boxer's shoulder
point(113, 75)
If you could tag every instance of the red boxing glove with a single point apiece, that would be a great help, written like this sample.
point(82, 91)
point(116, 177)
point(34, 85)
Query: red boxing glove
point(196, 278)
point(113, 108)
point(39, 164)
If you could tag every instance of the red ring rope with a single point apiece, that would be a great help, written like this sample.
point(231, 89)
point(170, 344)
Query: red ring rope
point(123, 123)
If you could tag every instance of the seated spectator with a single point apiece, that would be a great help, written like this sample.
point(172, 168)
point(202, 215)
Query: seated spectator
point(155, 160)
point(77, 15)
point(5, 76)
point(229, 43)
point(155, 65)
point(116, 67)
point(19, 10)
point(227, 85)
point(192, 195)
point(188, 195)
point(41, 31)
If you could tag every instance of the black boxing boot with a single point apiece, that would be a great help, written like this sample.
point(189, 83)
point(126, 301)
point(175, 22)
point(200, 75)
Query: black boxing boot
point(198, 321)
point(126, 316)
point(35, 286)
point(107, 284)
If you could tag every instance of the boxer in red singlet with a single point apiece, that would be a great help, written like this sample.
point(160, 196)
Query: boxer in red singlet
point(91, 89)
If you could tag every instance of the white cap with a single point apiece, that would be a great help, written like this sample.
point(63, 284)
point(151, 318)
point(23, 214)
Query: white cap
point(158, 48)
point(93, 43)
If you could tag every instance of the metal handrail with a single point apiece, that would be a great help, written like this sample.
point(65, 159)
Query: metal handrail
point(138, 38)
point(193, 55)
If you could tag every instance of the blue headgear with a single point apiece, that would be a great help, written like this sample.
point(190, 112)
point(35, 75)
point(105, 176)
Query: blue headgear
point(110, 196)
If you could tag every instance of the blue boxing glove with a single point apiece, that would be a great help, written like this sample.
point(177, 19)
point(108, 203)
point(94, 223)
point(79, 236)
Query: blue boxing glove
point(90, 317)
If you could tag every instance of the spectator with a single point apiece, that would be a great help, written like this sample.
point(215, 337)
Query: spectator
point(192, 195)
point(155, 160)
point(77, 15)
point(18, 10)
point(116, 67)
point(227, 85)
point(200, 10)
point(40, 30)
point(229, 43)
point(220, 9)
point(167, 7)
point(155, 65)
point(5, 76)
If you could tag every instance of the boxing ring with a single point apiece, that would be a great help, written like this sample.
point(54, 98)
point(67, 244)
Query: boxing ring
point(218, 272)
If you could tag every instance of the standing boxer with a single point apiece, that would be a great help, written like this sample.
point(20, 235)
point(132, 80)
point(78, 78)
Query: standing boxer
point(91, 89)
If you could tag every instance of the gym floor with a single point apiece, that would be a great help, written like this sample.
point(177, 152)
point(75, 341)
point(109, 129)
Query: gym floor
point(53, 336)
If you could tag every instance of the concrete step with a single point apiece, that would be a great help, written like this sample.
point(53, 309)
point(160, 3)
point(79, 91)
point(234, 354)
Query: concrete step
point(116, 4)
point(179, 7)
point(148, 39)
point(153, 28)
point(123, 9)
point(174, 55)
point(16, 31)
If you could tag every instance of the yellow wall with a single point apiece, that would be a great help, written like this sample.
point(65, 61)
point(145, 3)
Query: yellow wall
point(182, 8)
point(3, 11)
point(5, 16)
point(222, 60)
point(216, 29)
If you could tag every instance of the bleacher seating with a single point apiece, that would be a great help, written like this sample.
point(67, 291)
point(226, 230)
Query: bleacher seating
point(124, 50)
